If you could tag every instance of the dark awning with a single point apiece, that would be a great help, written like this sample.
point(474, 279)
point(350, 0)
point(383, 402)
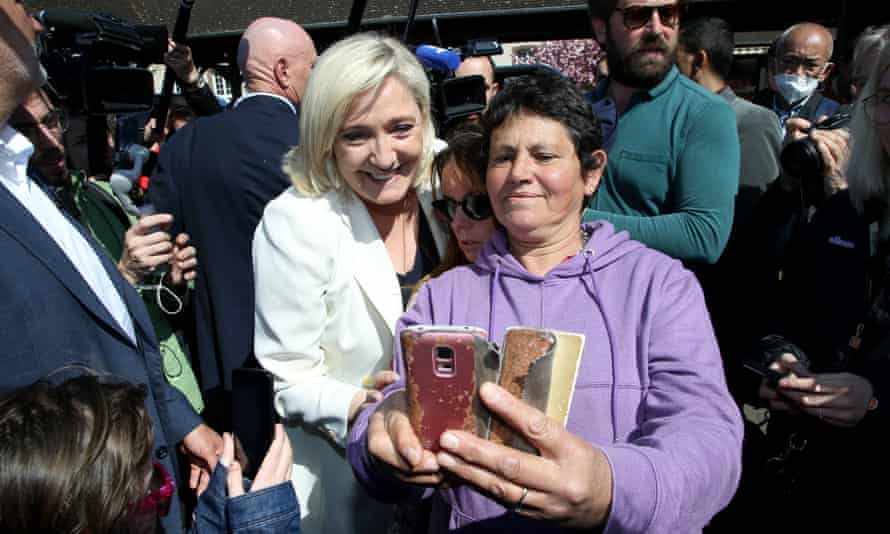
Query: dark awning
point(216, 24)
point(220, 17)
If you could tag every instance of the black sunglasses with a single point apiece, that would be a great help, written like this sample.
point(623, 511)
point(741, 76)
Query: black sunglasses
point(476, 206)
point(635, 17)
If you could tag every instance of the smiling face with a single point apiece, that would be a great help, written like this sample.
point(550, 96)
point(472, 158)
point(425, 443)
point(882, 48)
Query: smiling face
point(380, 143)
point(470, 234)
point(535, 180)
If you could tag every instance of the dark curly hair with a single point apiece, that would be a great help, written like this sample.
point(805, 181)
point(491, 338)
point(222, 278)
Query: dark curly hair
point(551, 95)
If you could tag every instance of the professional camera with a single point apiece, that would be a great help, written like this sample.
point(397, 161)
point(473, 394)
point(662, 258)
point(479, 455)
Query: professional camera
point(96, 63)
point(454, 98)
point(801, 158)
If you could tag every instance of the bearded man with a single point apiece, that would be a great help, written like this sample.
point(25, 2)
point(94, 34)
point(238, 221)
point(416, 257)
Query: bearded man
point(673, 166)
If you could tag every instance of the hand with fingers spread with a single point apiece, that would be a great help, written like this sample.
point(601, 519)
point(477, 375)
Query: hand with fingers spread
point(570, 483)
point(396, 448)
point(147, 245)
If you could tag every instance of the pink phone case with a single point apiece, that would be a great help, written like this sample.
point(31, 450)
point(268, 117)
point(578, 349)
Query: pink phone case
point(441, 383)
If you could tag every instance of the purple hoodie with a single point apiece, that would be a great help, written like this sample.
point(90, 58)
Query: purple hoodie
point(650, 392)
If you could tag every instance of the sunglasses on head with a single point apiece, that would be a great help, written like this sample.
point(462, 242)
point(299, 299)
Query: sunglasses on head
point(476, 206)
point(635, 17)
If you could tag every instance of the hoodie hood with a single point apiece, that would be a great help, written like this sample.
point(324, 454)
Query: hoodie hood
point(604, 247)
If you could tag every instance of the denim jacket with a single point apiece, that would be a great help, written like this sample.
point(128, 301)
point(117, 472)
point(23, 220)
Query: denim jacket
point(271, 510)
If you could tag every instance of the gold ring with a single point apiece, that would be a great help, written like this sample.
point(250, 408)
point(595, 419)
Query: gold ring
point(518, 506)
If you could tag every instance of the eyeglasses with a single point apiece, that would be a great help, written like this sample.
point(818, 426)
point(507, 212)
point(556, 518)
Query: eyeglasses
point(635, 17)
point(877, 109)
point(157, 502)
point(476, 206)
point(791, 63)
point(55, 119)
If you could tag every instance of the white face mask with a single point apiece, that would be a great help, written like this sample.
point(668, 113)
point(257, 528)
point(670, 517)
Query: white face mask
point(794, 88)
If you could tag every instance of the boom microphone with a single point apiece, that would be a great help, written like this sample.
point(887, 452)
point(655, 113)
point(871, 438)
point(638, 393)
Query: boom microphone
point(180, 30)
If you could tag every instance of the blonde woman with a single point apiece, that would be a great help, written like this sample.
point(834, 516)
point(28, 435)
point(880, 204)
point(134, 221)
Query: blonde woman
point(335, 257)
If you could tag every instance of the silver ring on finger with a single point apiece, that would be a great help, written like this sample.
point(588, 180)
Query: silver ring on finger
point(518, 506)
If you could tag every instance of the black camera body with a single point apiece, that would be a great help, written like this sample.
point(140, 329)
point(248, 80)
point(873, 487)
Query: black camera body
point(801, 158)
point(96, 63)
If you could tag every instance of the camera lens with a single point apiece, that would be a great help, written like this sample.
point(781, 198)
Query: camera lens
point(802, 160)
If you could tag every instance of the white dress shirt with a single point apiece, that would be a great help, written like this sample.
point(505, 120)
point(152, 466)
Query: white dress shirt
point(15, 150)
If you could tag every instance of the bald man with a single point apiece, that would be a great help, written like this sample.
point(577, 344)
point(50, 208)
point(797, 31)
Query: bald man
point(215, 176)
point(802, 63)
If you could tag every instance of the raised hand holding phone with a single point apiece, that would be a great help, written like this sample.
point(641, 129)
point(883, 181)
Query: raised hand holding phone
point(148, 247)
point(275, 469)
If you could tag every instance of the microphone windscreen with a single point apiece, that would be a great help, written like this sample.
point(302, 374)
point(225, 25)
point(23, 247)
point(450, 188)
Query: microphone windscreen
point(437, 58)
point(120, 184)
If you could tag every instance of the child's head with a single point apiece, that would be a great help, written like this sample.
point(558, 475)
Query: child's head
point(75, 456)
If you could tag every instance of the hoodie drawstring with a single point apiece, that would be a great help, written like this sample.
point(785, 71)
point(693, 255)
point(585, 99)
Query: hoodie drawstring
point(491, 310)
point(589, 282)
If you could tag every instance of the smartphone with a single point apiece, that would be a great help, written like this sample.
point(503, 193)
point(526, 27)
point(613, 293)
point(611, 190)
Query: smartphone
point(526, 372)
point(772, 376)
point(442, 382)
point(253, 414)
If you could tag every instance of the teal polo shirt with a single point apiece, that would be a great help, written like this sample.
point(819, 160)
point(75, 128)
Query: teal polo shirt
point(673, 169)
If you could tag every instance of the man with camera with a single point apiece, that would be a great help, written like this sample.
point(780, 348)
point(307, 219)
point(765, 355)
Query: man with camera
point(63, 301)
point(801, 64)
point(215, 176)
point(480, 66)
point(822, 305)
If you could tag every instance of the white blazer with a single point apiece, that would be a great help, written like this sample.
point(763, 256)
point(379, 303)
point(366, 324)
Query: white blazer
point(327, 301)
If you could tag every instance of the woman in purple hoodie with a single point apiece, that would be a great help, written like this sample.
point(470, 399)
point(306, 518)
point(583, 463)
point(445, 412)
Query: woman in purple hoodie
point(653, 438)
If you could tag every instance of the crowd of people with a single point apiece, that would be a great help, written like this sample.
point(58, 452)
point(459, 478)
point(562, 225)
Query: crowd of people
point(726, 262)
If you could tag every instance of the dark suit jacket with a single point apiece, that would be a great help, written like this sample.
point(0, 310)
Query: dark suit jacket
point(215, 176)
point(49, 318)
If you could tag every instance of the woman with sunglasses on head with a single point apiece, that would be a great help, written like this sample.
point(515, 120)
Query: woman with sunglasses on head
point(336, 257)
point(76, 458)
point(653, 438)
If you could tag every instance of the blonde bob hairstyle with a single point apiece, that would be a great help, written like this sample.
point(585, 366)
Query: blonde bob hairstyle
point(344, 71)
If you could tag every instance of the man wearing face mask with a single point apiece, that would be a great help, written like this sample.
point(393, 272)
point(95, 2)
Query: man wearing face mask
point(802, 63)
